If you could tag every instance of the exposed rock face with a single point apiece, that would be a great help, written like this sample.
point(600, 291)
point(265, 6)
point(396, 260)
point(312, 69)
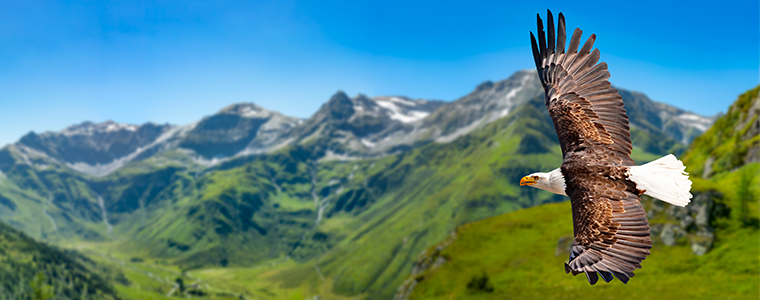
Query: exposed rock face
point(235, 129)
point(564, 245)
point(347, 127)
point(93, 143)
point(676, 123)
point(426, 261)
point(752, 123)
point(691, 224)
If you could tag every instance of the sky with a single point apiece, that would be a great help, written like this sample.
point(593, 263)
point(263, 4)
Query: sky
point(65, 62)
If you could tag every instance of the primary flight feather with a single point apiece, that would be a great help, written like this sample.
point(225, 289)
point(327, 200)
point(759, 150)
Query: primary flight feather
point(611, 231)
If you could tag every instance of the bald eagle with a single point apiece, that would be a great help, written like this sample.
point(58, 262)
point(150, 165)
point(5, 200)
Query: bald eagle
point(611, 231)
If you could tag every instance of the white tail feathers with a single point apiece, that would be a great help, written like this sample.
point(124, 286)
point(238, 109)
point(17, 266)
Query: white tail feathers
point(664, 179)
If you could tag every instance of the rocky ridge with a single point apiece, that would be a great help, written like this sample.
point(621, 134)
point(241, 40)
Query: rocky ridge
point(344, 128)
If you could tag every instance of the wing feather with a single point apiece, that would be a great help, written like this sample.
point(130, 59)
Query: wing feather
point(610, 225)
point(587, 112)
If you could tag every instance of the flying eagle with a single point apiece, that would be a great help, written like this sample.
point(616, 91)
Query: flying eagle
point(611, 231)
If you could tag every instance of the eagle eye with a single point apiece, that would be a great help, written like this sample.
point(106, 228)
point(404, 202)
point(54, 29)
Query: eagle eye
point(535, 178)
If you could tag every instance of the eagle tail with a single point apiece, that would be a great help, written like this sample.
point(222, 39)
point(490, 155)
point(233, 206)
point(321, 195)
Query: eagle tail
point(664, 179)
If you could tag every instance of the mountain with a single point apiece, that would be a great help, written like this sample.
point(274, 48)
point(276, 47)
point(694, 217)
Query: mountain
point(362, 126)
point(239, 129)
point(100, 149)
point(90, 148)
point(667, 128)
point(710, 245)
point(355, 192)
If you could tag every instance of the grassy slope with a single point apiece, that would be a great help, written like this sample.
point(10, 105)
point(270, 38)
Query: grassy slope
point(51, 203)
point(67, 275)
point(517, 251)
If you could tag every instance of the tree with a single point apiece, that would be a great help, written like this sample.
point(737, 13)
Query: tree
point(181, 284)
point(40, 289)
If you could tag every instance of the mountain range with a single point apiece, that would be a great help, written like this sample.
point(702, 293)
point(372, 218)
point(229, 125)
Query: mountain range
point(354, 192)
point(346, 128)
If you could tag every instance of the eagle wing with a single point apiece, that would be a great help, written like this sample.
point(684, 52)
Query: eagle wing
point(610, 226)
point(587, 112)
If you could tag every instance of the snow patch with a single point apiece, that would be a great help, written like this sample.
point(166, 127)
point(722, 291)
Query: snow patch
point(511, 95)
point(251, 112)
point(330, 155)
point(397, 114)
point(695, 121)
point(460, 132)
point(116, 127)
point(402, 101)
point(90, 128)
point(367, 143)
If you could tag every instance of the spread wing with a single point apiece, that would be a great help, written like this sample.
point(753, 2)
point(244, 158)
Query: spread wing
point(588, 113)
point(610, 225)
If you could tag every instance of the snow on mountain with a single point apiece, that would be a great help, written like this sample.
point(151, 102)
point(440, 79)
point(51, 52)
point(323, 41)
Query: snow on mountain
point(487, 103)
point(679, 124)
point(402, 110)
point(690, 119)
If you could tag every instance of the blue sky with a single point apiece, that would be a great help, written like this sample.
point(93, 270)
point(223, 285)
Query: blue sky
point(64, 62)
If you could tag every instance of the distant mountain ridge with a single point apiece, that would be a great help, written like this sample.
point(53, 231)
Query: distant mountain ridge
point(343, 128)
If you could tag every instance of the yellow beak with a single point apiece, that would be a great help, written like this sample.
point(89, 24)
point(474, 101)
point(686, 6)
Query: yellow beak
point(527, 180)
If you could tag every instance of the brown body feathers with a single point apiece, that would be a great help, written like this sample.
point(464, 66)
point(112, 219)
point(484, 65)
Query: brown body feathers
point(610, 226)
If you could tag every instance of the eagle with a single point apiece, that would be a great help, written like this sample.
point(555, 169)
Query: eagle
point(610, 226)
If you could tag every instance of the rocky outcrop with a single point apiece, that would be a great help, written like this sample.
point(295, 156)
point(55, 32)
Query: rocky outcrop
point(693, 225)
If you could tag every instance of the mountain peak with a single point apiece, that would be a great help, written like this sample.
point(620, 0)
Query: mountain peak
point(484, 85)
point(338, 107)
point(246, 110)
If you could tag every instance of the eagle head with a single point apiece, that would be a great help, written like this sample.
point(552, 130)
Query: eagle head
point(535, 180)
point(552, 181)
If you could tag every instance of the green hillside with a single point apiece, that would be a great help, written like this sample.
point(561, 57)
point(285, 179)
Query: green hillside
point(521, 254)
point(725, 146)
point(32, 270)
